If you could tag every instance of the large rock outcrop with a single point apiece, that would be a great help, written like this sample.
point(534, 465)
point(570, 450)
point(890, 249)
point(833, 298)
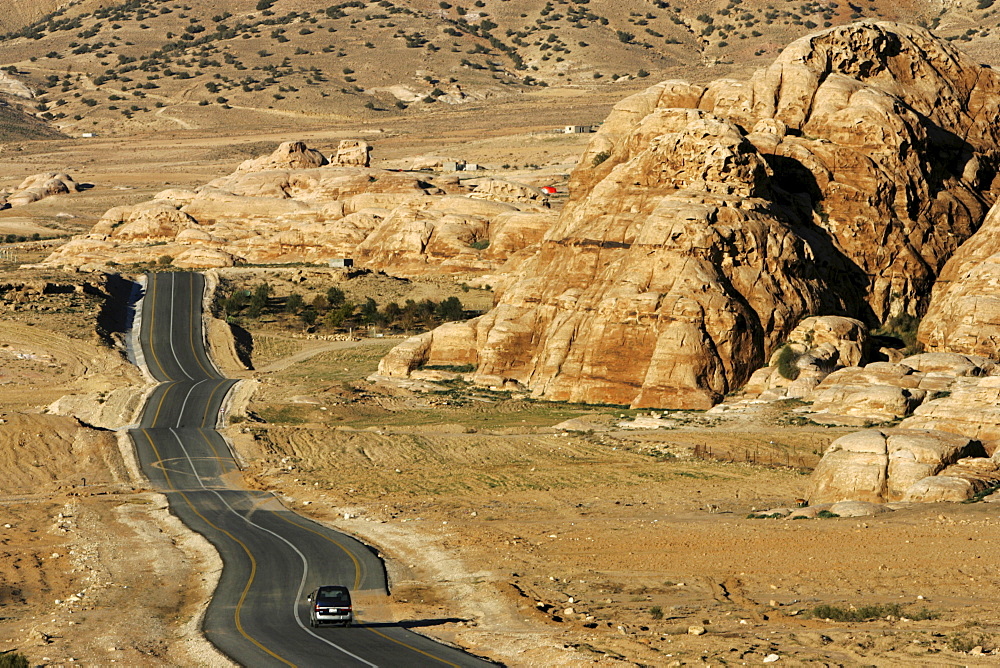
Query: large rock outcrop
point(40, 186)
point(705, 222)
point(296, 206)
point(897, 465)
point(818, 346)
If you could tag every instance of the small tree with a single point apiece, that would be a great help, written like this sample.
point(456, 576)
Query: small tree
point(294, 303)
point(335, 296)
point(450, 309)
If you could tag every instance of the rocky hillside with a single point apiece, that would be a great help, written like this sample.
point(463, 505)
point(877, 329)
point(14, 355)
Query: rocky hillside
point(705, 222)
point(16, 125)
point(130, 65)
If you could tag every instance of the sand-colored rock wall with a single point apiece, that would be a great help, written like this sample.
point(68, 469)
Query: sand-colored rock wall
point(705, 222)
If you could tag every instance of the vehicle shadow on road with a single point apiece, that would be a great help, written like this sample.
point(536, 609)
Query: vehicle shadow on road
point(411, 623)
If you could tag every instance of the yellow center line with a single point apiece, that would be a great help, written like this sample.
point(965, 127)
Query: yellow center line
point(253, 562)
point(194, 349)
point(152, 322)
point(358, 567)
point(205, 417)
point(357, 585)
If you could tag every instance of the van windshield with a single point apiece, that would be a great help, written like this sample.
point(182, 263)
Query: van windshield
point(333, 597)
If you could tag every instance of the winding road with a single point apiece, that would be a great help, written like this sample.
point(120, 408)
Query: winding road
point(272, 557)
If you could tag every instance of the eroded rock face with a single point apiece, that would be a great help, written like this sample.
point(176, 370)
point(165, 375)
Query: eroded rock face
point(353, 153)
point(291, 206)
point(40, 186)
point(704, 223)
point(885, 465)
point(964, 313)
point(821, 344)
point(289, 155)
point(972, 408)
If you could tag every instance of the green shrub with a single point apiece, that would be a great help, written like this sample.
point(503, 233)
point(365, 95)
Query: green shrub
point(826, 514)
point(903, 327)
point(786, 362)
point(656, 612)
point(600, 157)
point(965, 643)
point(13, 660)
point(865, 613)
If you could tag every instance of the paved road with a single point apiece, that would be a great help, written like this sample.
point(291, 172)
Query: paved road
point(272, 557)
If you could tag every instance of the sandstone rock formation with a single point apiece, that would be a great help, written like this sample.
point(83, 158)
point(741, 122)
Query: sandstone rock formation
point(293, 206)
point(40, 186)
point(971, 408)
point(819, 345)
point(896, 464)
point(289, 155)
point(964, 313)
point(500, 190)
point(353, 153)
point(704, 223)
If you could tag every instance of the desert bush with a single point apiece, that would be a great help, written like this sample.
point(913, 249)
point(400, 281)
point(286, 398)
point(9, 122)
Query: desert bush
point(865, 613)
point(600, 157)
point(826, 514)
point(13, 660)
point(656, 612)
point(960, 642)
point(786, 362)
point(903, 327)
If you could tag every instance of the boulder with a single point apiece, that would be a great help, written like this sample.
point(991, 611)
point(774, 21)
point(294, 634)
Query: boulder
point(940, 488)
point(875, 402)
point(833, 341)
point(882, 465)
point(857, 509)
point(288, 155)
point(40, 186)
point(353, 153)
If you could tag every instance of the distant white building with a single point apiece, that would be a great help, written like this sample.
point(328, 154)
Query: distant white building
point(341, 262)
point(578, 129)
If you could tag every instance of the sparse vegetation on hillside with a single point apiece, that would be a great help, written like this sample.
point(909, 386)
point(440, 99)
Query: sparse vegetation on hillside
point(145, 56)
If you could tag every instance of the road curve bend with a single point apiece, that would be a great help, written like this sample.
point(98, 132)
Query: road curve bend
point(271, 556)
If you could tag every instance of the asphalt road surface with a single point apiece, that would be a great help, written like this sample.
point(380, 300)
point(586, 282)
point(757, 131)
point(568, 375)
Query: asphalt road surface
point(272, 557)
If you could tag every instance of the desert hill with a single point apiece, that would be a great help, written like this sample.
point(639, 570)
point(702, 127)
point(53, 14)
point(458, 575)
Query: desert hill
point(144, 64)
point(16, 125)
point(705, 222)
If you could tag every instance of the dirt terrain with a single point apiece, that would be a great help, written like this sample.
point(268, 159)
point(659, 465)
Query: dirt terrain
point(86, 548)
point(555, 548)
point(527, 544)
point(530, 545)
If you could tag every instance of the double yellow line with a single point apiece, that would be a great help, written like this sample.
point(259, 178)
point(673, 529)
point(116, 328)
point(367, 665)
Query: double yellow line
point(237, 616)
